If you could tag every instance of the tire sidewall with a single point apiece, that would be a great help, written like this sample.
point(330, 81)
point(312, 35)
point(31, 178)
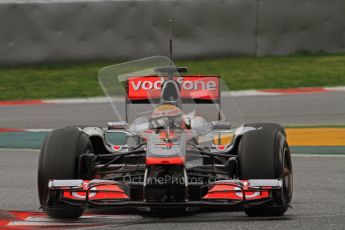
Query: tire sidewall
point(265, 162)
point(59, 157)
point(282, 155)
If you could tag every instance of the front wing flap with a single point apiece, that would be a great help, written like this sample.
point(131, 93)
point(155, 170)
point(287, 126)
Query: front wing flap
point(106, 193)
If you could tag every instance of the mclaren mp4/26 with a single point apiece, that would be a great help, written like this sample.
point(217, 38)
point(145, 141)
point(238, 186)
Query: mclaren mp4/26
point(171, 147)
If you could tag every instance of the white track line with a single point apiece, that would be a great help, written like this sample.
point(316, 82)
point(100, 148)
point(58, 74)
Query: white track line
point(238, 93)
point(247, 93)
point(316, 155)
point(336, 89)
point(94, 100)
point(77, 100)
point(16, 150)
point(37, 130)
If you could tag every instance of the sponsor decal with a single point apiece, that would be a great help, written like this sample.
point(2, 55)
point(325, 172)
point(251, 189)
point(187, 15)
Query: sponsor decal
point(197, 87)
point(117, 147)
point(220, 147)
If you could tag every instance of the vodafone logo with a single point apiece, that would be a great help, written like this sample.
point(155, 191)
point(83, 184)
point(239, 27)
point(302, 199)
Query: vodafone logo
point(187, 84)
point(146, 85)
point(202, 87)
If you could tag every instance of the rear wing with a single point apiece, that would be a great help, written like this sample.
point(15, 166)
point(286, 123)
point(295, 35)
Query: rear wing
point(194, 89)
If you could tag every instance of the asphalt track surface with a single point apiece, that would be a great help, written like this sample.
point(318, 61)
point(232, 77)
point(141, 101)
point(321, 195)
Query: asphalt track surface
point(299, 109)
point(318, 199)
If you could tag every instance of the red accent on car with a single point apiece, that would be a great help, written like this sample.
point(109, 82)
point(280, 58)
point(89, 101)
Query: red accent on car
point(117, 147)
point(220, 147)
point(232, 192)
point(148, 131)
point(166, 144)
point(192, 87)
point(165, 161)
point(99, 192)
point(164, 135)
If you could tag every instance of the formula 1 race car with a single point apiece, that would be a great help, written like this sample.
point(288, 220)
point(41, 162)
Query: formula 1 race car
point(172, 148)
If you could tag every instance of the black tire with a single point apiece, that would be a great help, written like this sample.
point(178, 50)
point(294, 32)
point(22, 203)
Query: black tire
point(264, 154)
point(59, 160)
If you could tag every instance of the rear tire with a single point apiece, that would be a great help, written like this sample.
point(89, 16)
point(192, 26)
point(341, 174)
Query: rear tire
point(59, 159)
point(264, 154)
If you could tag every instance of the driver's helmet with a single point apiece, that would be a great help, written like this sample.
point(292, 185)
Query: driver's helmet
point(167, 116)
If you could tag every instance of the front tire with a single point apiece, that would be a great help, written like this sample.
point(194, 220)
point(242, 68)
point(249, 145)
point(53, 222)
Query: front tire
point(59, 159)
point(264, 154)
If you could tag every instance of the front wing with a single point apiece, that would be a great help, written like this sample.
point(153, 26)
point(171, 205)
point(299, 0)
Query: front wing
point(107, 193)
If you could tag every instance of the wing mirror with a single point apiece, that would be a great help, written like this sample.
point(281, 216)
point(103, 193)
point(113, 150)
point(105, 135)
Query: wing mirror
point(139, 125)
point(200, 126)
point(117, 125)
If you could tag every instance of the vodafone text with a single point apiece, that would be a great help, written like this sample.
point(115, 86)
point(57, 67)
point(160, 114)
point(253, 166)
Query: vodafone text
point(185, 84)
